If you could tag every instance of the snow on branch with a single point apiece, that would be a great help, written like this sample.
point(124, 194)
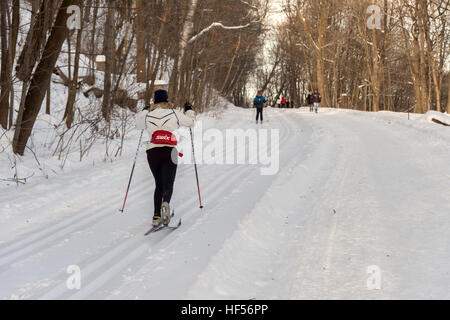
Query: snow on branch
point(214, 25)
point(250, 5)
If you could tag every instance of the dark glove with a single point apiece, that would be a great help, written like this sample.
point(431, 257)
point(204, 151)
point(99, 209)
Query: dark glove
point(187, 107)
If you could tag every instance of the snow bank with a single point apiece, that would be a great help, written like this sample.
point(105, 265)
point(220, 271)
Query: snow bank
point(419, 122)
point(437, 117)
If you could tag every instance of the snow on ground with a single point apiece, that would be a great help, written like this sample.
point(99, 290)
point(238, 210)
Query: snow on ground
point(431, 116)
point(354, 190)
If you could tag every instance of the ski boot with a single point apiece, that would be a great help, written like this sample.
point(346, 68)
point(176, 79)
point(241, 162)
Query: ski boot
point(157, 221)
point(165, 213)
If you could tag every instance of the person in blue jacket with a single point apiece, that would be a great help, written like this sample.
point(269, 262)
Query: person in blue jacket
point(258, 103)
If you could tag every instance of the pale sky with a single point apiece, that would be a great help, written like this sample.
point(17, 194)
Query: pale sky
point(275, 14)
point(274, 17)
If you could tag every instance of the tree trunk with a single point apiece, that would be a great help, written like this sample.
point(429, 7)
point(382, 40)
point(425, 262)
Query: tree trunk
point(26, 83)
point(227, 77)
point(38, 34)
point(156, 61)
point(375, 73)
point(141, 42)
point(69, 113)
point(448, 96)
point(109, 55)
point(185, 33)
point(321, 81)
point(12, 49)
point(40, 81)
point(318, 49)
point(92, 40)
point(433, 66)
point(49, 99)
point(5, 77)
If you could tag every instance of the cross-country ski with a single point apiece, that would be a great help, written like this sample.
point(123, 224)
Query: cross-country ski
point(160, 227)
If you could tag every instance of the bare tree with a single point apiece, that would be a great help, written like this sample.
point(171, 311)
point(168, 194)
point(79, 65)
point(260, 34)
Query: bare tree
point(40, 79)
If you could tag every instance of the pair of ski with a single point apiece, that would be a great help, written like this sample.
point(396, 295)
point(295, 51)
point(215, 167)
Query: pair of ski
point(163, 227)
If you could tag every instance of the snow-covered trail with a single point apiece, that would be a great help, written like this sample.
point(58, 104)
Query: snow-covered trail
point(353, 190)
point(97, 238)
point(364, 191)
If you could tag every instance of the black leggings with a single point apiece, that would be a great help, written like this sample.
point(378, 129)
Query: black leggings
point(259, 112)
point(164, 171)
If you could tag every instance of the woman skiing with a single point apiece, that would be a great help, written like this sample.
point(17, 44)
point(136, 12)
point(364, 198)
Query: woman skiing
point(161, 120)
point(258, 103)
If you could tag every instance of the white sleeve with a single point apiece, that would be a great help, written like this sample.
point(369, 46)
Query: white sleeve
point(141, 119)
point(186, 119)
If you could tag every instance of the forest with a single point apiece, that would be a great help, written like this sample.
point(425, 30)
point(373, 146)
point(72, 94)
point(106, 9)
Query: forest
point(116, 51)
point(364, 55)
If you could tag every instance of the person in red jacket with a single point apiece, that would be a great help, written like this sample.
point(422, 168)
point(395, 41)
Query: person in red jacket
point(283, 102)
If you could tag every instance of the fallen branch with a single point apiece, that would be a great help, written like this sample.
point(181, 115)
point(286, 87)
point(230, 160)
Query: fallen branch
point(440, 122)
point(17, 180)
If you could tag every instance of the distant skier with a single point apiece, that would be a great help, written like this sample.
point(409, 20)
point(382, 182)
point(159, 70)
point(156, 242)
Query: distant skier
point(283, 102)
point(161, 120)
point(316, 99)
point(258, 103)
point(309, 101)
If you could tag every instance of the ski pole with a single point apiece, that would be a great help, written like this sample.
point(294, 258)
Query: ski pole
point(132, 172)
point(196, 171)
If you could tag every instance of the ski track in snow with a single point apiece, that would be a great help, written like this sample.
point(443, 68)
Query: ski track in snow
point(353, 190)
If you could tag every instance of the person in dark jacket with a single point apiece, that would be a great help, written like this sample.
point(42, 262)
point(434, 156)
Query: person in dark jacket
point(258, 103)
point(309, 101)
point(316, 99)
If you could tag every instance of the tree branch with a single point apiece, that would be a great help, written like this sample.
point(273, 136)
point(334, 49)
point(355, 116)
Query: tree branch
point(214, 25)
